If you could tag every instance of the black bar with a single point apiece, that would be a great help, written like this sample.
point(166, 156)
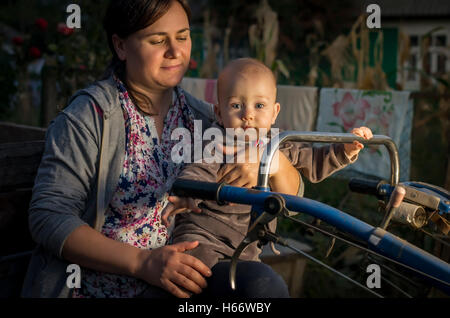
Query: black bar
point(197, 189)
point(365, 186)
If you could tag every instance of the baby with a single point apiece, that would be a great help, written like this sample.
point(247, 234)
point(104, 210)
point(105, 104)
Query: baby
point(246, 91)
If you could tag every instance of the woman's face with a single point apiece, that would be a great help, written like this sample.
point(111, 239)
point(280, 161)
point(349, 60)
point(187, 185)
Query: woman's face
point(157, 57)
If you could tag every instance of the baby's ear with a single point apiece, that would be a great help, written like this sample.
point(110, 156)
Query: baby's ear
point(217, 112)
point(277, 108)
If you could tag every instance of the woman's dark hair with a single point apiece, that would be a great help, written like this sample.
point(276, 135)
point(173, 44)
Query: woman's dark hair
point(125, 17)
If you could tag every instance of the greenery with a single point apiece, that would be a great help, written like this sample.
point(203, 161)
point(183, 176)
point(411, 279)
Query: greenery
point(36, 33)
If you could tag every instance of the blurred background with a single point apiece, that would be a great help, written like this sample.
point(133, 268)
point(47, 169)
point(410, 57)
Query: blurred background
point(321, 44)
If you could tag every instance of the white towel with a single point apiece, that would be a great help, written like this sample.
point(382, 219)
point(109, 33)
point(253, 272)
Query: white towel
point(387, 113)
point(298, 107)
point(201, 88)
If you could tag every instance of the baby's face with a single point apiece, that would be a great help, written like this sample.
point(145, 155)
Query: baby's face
point(247, 101)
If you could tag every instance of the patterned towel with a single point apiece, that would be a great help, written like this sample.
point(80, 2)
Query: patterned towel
point(387, 113)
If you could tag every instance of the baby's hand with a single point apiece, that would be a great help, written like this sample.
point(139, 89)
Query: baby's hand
point(354, 148)
point(178, 205)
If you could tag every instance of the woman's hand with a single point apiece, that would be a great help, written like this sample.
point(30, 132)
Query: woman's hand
point(239, 174)
point(178, 205)
point(169, 268)
point(243, 173)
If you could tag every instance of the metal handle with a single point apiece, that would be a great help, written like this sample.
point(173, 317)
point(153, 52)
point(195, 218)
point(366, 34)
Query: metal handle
point(273, 145)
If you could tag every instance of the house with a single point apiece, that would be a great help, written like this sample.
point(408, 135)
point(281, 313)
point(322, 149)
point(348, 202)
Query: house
point(416, 20)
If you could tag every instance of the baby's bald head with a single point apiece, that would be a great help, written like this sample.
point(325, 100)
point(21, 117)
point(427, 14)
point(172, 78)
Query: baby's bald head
point(246, 92)
point(246, 68)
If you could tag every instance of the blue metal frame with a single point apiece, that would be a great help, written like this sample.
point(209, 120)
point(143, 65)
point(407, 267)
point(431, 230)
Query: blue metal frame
point(444, 200)
point(377, 239)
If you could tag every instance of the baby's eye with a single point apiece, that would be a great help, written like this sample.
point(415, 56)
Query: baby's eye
point(259, 105)
point(235, 105)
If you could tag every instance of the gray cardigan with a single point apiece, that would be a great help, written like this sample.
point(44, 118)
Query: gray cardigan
point(77, 177)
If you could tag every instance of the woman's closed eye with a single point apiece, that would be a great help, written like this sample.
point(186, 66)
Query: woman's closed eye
point(159, 42)
point(156, 41)
point(183, 36)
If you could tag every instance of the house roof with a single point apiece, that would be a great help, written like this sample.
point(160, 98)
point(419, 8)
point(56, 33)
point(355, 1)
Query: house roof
point(410, 8)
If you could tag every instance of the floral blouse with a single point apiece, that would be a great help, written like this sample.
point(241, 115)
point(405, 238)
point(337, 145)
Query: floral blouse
point(134, 214)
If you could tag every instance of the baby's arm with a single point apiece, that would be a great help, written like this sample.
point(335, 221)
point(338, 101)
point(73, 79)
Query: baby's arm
point(317, 163)
point(285, 179)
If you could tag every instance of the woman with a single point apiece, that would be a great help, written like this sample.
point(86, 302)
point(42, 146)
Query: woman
point(106, 172)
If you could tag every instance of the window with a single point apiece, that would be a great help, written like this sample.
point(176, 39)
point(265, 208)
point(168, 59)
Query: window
point(413, 40)
point(441, 64)
point(440, 41)
point(436, 62)
point(412, 65)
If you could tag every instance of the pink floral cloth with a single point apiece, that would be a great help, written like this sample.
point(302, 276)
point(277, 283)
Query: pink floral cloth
point(134, 214)
point(386, 113)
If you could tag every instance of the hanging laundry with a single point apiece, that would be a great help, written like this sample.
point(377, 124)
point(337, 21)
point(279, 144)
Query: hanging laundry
point(298, 107)
point(201, 88)
point(387, 113)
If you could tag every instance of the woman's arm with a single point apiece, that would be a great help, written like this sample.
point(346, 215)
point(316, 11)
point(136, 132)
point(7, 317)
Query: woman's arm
point(91, 249)
point(166, 267)
point(66, 175)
